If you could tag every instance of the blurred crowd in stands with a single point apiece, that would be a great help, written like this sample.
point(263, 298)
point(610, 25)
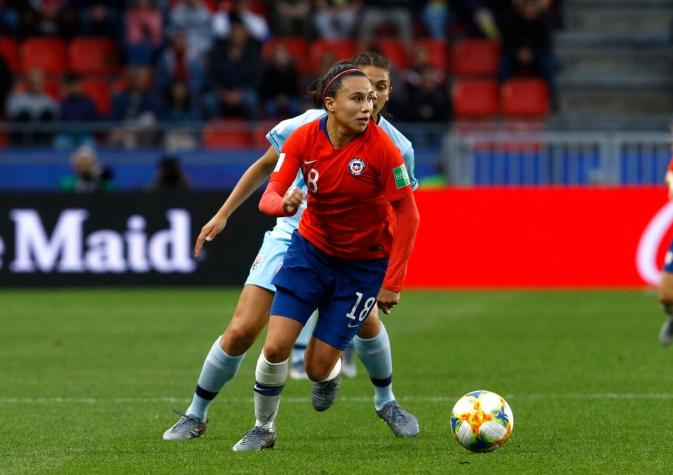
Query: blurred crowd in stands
point(143, 62)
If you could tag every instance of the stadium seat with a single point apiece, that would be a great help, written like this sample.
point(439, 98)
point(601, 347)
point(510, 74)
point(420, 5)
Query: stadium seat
point(475, 98)
point(339, 49)
point(476, 58)
point(295, 45)
point(10, 51)
point(259, 133)
point(437, 52)
point(524, 98)
point(98, 90)
point(394, 50)
point(92, 56)
point(47, 54)
point(221, 133)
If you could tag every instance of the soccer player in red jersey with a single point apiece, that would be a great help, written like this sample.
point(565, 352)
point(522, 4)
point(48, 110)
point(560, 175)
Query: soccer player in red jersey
point(666, 283)
point(353, 243)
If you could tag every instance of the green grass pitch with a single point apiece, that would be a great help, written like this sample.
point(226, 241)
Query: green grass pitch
point(88, 379)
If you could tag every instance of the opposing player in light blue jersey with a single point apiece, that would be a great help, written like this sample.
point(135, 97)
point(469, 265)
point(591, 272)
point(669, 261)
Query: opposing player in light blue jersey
point(252, 310)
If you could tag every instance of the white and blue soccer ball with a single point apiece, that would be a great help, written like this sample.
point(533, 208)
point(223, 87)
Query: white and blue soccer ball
point(482, 421)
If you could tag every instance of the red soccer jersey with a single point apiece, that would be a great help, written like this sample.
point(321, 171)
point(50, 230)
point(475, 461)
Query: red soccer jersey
point(670, 165)
point(348, 189)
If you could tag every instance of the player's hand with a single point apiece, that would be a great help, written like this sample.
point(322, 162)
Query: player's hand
point(293, 199)
point(387, 299)
point(208, 232)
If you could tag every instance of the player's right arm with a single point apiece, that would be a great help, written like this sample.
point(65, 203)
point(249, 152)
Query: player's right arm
point(278, 198)
point(252, 179)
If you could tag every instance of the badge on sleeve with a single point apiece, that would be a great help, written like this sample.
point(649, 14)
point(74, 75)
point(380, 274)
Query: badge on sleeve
point(401, 176)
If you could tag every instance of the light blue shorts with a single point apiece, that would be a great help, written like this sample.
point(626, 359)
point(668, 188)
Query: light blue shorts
point(268, 261)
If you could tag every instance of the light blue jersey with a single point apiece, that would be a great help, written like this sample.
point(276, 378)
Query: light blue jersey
point(285, 226)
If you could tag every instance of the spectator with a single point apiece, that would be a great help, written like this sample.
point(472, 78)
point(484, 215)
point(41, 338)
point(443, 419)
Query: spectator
point(280, 85)
point(233, 75)
point(5, 84)
point(170, 176)
point(192, 18)
point(527, 43)
point(99, 18)
point(480, 18)
point(436, 15)
point(47, 18)
point(381, 12)
point(180, 109)
point(76, 107)
point(176, 63)
point(427, 96)
point(335, 19)
point(255, 25)
point(31, 105)
point(290, 17)
point(9, 18)
point(137, 107)
point(89, 176)
point(144, 32)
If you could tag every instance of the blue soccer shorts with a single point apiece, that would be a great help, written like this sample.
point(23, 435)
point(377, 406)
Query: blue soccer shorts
point(343, 291)
point(268, 261)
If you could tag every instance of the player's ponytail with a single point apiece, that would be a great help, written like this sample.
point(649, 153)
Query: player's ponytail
point(330, 83)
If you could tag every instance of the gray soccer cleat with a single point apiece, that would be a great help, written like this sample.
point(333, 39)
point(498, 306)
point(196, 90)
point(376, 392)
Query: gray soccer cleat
point(666, 332)
point(256, 439)
point(324, 394)
point(348, 367)
point(187, 427)
point(400, 421)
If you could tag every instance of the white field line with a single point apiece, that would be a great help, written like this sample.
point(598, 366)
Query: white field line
point(357, 399)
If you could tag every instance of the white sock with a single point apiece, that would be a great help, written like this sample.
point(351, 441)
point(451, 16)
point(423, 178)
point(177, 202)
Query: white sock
point(334, 373)
point(269, 382)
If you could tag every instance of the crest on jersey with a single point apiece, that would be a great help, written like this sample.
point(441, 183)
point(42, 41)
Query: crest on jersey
point(356, 166)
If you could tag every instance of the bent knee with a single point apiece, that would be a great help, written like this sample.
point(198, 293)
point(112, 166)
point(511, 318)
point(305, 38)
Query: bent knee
point(318, 371)
point(276, 353)
point(238, 337)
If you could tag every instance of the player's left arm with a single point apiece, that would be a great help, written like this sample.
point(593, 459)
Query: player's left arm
point(398, 191)
point(407, 219)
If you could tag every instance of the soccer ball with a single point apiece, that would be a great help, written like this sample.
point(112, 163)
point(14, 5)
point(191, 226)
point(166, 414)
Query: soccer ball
point(481, 421)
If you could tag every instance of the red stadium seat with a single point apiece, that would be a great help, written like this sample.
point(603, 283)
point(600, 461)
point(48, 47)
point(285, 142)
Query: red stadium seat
point(259, 134)
point(476, 57)
point(338, 49)
point(436, 51)
point(295, 45)
point(525, 98)
point(92, 56)
point(10, 51)
point(475, 98)
point(47, 54)
point(99, 91)
point(226, 134)
point(394, 50)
